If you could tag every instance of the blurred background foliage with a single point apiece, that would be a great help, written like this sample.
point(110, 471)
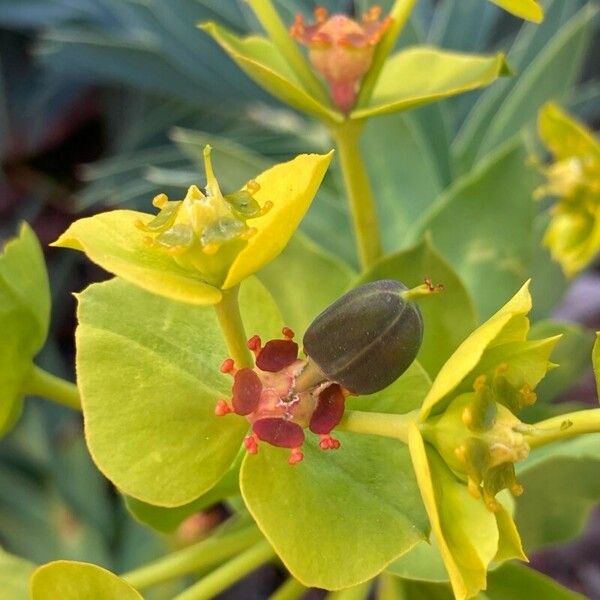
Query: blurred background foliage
point(104, 103)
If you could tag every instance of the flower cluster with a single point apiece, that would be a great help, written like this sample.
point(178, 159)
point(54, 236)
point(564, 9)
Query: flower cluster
point(573, 235)
point(467, 439)
point(268, 396)
point(204, 232)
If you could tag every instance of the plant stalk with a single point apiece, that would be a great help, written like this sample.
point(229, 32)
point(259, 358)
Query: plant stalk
point(358, 189)
point(230, 320)
point(383, 424)
point(57, 389)
point(292, 589)
point(202, 555)
point(564, 427)
point(232, 571)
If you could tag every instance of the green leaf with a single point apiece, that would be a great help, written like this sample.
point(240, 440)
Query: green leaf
point(167, 520)
point(24, 317)
point(526, 9)
point(148, 370)
point(423, 563)
point(402, 396)
point(78, 581)
point(513, 581)
point(14, 577)
point(561, 489)
point(563, 54)
point(112, 240)
point(449, 317)
point(493, 256)
point(304, 280)
point(572, 355)
point(420, 75)
point(259, 59)
point(509, 582)
point(328, 510)
point(405, 191)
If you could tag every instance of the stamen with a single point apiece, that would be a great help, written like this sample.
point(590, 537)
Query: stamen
point(228, 366)
point(222, 408)
point(254, 344)
point(160, 201)
point(296, 456)
point(251, 444)
point(321, 14)
point(328, 443)
point(212, 185)
point(288, 333)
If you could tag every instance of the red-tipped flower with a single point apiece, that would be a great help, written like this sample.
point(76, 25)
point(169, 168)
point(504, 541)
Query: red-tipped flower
point(341, 49)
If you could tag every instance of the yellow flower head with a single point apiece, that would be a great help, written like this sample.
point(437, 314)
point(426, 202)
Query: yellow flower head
point(207, 242)
point(573, 235)
point(468, 438)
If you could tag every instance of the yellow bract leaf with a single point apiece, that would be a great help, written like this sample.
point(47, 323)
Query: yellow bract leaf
point(509, 324)
point(290, 186)
point(564, 136)
point(465, 531)
point(526, 9)
point(112, 240)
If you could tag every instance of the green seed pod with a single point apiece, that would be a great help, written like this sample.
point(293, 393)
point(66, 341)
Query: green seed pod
point(367, 338)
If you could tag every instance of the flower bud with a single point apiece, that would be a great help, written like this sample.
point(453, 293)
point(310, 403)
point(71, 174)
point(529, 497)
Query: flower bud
point(341, 49)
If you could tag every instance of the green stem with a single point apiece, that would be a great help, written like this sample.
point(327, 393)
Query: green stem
point(564, 427)
point(290, 590)
point(229, 573)
point(202, 555)
point(230, 320)
point(61, 391)
point(281, 38)
point(358, 189)
point(383, 424)
point(400, 13)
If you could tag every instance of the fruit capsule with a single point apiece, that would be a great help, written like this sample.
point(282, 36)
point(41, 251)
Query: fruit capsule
point(366, 339)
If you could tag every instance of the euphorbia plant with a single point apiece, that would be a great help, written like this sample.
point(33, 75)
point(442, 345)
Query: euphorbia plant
point(388, 420)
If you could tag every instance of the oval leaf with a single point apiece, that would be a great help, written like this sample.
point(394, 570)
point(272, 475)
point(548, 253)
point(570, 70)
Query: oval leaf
point(148, 371)
point(24, 317)
point(329, 509)
point(78, 581)
point(418, 76)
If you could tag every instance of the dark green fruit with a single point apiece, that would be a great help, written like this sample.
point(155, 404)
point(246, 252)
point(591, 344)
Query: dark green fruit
point(367, 338)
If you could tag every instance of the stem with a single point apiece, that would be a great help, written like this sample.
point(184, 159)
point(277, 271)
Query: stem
point(290, 590)
point(230, 320)
point(61, 391)
point(358, 189)
point(386, 425)
point(564, 427)
point(281, 38)
point(229, 573)
point(194, 558)
point(400, 13)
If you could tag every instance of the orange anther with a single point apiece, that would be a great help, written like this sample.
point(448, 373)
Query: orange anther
point(288, 333)
point(222, 408)
point(227, 365)
point(296, 456)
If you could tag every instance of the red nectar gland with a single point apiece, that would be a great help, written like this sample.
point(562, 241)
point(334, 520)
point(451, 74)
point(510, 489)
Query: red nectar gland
point(278, 413)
